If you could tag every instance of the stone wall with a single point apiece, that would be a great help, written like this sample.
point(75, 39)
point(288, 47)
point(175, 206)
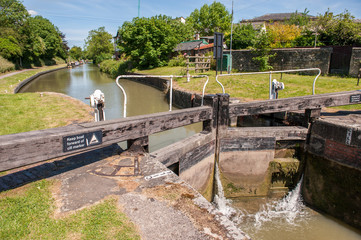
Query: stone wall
point(355, 63)
point(332, 178)
point(293, 58)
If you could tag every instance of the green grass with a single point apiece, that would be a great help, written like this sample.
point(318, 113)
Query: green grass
point(24, 112)
point(8, 84)
point(28, 213)
point(256, 87)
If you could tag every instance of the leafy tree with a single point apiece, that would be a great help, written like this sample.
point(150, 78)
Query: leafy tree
point(149, 41)
point(283, 35)
point(210, 19)
point(299, 19)
point(76, 52)
point(243, 37)
point(338, 29)
point(13, 14)
point(43, 38)
point(99, 45)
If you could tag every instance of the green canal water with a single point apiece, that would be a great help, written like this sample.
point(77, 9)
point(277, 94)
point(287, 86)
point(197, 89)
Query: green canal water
point(263, 219)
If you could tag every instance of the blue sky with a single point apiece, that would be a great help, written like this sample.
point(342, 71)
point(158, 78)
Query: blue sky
point(76, 18)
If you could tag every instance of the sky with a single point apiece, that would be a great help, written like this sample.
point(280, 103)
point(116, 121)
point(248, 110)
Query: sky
point(75, 18)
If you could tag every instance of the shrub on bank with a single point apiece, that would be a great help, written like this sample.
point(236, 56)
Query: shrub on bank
point(115, 68)
point(6, 66)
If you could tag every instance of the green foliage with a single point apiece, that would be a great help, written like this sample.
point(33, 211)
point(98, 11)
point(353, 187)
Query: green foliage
point(299, 19)
point(211, 18)
point(13, 14)
point(177, 61)
point(25, 39)
point(243, 37)
point(149, 41)
point(338, 29)
point(76, 52)
point(115, 68)
point(5, 65)
point(262, 51)
point(99, 45)
point(9, 48)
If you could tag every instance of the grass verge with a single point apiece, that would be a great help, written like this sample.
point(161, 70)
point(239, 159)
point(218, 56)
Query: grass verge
point(24, 112)
point(27, 213)
point(256, 87)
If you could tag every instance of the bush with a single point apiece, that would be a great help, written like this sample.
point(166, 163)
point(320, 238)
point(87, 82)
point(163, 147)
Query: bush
point(177, 61)
point(5, 65)
point(115, 68)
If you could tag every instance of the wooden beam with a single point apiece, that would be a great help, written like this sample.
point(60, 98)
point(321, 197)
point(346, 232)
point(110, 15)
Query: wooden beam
point(279, 133)
point(30, 147)
point(296, 103)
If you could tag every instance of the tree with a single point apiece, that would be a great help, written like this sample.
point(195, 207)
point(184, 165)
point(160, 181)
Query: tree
point(76, 52)
point(149, 41)
point(43, 38)
point(99, 45)
point(13, 14)
point(283, 35)
point(210, 19)
point(299, 19)
point(338, 29)
point(243, 37)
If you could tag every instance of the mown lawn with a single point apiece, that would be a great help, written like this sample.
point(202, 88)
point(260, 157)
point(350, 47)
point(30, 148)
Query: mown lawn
point(28, 213)
point(24, 112)
point(256, 87)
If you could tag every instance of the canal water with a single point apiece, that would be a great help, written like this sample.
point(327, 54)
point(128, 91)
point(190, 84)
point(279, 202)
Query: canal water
point(261, 219)
point(82, 81)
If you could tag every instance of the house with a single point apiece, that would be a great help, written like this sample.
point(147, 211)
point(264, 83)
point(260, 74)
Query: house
point(260, 22)
point(193, 47)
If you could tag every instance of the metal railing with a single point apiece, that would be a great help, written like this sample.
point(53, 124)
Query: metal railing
point(270, 77)
point(158, 76)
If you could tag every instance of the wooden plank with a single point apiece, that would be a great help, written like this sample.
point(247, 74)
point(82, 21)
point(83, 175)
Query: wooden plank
point(296, 103)
point(26, 148)
point(279, 133)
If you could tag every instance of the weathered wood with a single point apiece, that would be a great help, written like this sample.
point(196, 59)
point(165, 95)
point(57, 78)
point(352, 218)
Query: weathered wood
point(296, 103)
point(173, 153)
point(279, 133)
point(27, 148)
point(222, 121)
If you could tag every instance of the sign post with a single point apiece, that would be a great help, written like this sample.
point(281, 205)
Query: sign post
point(218, 49)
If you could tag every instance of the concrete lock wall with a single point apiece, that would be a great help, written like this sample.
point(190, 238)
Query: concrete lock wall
point(287, 58)
point(244, 165)
point(332, 178)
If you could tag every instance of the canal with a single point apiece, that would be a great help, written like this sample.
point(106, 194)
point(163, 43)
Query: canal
point(82, 81)
point(261, 218)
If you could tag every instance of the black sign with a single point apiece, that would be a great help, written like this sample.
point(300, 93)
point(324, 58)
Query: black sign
point(218, 45)
point(355, 98)
point(79, 141)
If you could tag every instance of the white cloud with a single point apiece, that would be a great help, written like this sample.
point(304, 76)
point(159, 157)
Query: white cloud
point(33, 13)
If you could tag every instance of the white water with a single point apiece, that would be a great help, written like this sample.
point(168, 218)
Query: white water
point(289, 209)
point(287, 218)
point(223, 204)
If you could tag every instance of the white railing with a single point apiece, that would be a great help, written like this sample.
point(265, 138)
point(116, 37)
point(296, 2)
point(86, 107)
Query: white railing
point(158, 76)
point(270, 77)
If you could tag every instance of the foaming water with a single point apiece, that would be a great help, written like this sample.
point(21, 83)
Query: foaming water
point(222, 203)
point(289, 209)
point(284, 219)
